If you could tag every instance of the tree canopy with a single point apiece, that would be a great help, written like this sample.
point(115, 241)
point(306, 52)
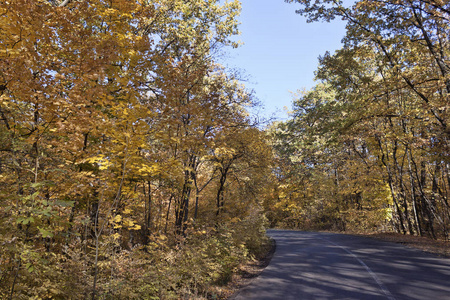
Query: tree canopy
point(367, 148)
point(124, 147)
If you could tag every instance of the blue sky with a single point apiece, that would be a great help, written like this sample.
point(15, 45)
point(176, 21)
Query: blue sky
point(280, 51)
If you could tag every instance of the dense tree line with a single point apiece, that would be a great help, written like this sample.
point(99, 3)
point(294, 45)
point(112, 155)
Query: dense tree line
point(129, 166)
point(368, 147)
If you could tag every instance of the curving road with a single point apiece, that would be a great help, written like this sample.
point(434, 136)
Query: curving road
point(311, 265)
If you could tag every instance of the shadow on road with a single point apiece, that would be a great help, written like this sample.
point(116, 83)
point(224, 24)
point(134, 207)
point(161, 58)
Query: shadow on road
point(310, 265)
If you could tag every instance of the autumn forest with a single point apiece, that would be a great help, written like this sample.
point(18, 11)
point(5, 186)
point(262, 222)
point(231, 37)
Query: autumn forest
point(132, 166)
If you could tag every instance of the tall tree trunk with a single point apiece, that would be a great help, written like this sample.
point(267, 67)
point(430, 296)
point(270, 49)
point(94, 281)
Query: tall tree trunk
point(220, 200)
point(182, 211)
point(400, 175)
point(168, 213)
point(406, 208)
point(94, 286)
point(15, 279)
point(384, 159)
point(182, 208)
point(413, 195)
point(147, 211)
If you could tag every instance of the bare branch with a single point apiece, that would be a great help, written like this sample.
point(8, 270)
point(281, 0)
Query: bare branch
point(64, 3)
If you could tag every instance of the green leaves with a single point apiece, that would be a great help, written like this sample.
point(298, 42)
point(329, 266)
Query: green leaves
point(64, 203)
point(45, 232)
point(25, 221)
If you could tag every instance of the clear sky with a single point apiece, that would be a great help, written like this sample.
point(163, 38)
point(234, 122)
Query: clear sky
point(280, 51)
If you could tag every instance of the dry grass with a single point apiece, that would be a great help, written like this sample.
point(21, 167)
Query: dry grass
point(247, 273)
point(439, 247)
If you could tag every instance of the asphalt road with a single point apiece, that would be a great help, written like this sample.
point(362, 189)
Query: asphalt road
point(310, 265)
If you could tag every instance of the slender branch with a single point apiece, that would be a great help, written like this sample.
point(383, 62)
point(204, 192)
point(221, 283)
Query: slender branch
point(64, 3)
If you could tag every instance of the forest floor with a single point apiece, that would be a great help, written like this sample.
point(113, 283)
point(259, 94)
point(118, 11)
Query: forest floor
point(248, 272)
point(439, 247)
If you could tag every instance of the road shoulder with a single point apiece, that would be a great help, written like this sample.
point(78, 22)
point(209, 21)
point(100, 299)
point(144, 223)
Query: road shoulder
point(248, 272)
point(426, 244)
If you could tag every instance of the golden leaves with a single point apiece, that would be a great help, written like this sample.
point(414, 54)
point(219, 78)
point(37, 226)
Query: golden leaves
point(127, 222)
point(113, 107)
